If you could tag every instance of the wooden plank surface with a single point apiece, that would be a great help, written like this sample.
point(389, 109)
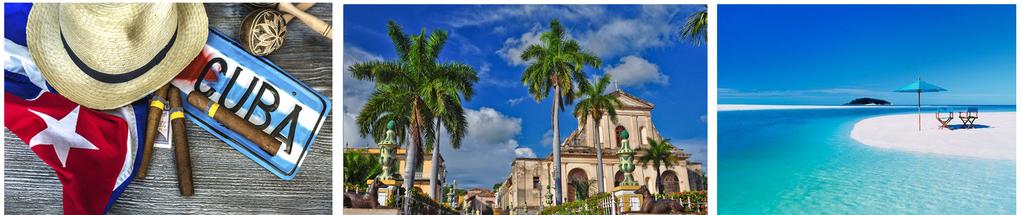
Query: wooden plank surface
point(225, 180)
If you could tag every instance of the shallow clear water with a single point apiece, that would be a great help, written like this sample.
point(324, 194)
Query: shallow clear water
point(804, 162)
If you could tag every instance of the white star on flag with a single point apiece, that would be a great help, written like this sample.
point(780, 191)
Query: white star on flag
point(61, 134)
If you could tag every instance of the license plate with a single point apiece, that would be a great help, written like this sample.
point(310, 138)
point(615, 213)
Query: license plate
point(258, 91)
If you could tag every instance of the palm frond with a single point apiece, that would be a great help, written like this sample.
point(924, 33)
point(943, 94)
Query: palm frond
point(694, 29)
point(435, 44)
point(397, 36)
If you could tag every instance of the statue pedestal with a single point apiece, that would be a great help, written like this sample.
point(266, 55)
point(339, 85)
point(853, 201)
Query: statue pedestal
point(628, 201)
point(383, 193)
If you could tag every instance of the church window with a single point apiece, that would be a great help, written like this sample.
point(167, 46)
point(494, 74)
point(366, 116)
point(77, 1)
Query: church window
point(618, 177)
point(617, 135)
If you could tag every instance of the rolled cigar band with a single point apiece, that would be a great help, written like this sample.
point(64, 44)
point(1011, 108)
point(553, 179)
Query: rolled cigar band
point(235, 123)
point(156, 107)
point(176, 114)
point(182, 157)
point(158, 103)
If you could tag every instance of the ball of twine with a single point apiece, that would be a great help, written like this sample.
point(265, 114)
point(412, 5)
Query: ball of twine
point(263, 31)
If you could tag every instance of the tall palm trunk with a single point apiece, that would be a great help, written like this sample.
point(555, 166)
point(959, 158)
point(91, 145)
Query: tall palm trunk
point(557, 148)
point(435, 168)
point(599, 154)
point(659, 187)
point(410, 154)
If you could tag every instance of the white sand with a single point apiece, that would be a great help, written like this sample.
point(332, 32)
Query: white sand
point(901, 132)
point(741, 107)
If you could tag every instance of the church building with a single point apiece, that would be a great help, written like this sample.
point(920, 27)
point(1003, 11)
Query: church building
point(524, 190)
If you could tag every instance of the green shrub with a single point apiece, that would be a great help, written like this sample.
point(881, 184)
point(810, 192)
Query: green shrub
point(696, 198)
point(589, 206)
point(360, 166)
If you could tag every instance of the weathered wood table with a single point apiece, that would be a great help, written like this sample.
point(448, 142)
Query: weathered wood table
point(225, 180)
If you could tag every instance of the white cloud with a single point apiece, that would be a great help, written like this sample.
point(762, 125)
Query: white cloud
point(516, 101)
point(356, 94)
point(548, 137)
point(636, 71)
point(655, 27)
point(606, 36)
point(351, 135)
point(514, 46)
point(487, 150)
point(525, 153)
point(499, 30)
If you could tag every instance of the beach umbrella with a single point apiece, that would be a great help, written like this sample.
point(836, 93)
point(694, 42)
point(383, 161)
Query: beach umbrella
point(919, 87)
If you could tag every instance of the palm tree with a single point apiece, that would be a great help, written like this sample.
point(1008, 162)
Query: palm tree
point(558, 63)
point(594, 105)
point(452, 115)
point(582, 188)
point(407, 92)
point(658, 154)
point(694, 29)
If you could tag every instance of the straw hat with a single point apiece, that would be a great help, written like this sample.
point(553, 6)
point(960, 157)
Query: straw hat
point(104, 56)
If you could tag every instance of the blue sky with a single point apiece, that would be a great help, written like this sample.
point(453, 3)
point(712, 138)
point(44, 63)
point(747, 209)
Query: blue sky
point(831, 54)
point(639, 45)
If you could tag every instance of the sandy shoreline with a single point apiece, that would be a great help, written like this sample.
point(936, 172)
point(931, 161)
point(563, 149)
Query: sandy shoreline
point(993, 139)
point(742, 107)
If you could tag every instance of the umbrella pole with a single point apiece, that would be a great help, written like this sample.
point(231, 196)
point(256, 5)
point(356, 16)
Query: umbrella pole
point(919, 108)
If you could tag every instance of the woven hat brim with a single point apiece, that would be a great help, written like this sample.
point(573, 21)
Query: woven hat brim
point(55, 64)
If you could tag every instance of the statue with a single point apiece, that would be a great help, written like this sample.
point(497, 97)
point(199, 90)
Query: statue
point(626, 154)
point(387, 153)
point(367, 200)
point(659, 206)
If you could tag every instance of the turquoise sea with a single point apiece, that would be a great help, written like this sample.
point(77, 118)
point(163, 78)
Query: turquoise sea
point(804, 162)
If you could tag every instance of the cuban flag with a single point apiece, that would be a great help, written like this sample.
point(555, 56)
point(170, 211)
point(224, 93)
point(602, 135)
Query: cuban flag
point(94, 153)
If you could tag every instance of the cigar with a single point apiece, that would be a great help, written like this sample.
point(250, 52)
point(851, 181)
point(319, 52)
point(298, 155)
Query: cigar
point(181, 155)
point(235, 123)
point(156, 107)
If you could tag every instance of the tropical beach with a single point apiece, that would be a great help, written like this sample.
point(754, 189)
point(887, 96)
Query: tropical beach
point(994, 138)
point(853, 114)
point(770, 163)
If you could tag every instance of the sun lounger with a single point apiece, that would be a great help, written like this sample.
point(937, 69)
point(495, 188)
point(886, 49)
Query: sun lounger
point(969, 117)
point(945, 120)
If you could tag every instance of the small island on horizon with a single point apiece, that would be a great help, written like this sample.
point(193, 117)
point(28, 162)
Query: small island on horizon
point(868, 101)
